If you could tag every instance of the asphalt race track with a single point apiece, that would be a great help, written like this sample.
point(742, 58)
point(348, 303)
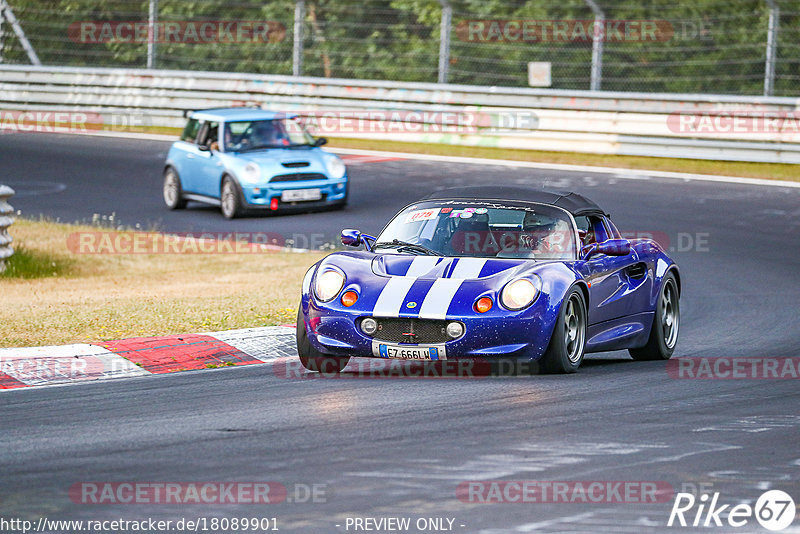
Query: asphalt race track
point(400, 447)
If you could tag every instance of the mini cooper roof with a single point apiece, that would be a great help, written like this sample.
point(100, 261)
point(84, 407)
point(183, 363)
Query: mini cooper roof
point(572, 202)
point(237, 114)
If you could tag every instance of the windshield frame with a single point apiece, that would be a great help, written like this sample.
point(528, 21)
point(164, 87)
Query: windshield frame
point(497, 203)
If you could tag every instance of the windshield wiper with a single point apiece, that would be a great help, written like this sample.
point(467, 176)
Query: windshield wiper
point(259, 147)
point(405, 244)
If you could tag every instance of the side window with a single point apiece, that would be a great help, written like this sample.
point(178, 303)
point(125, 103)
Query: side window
point(591, 229)
point(209, 135)
point(190, 131)
point(612, 228)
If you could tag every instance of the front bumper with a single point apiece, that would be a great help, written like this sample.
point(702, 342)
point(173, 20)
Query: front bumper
point(334, 329)
point(260, 196)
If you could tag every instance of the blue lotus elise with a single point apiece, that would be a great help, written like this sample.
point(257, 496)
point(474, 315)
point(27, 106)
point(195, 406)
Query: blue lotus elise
point(494, 273)
point(245, 159)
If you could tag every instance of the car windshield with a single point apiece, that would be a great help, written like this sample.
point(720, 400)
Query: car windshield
point(263, 134)
point(481, 229)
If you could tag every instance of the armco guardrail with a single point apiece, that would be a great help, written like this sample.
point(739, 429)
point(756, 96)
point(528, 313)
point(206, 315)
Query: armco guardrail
point(765, 129)
point(6, 220)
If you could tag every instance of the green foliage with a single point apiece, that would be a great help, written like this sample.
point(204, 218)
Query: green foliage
point(718, 46)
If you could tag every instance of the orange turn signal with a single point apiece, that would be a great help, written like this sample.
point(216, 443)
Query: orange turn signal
point(349, 298)
point(483, 305)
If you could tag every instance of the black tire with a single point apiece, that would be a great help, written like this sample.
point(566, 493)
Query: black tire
point(567, 345)
point(230, 199)
point(311, 358)
point(172, 190)
point(666, 321)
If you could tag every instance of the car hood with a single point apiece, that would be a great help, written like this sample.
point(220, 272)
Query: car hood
point(433, 287)
point(280, 157)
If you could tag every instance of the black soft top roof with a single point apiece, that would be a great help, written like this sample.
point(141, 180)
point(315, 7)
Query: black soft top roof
point(572, 202)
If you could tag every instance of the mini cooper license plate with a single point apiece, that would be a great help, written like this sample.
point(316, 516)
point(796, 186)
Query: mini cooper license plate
point(295, 195)
point(408, 352)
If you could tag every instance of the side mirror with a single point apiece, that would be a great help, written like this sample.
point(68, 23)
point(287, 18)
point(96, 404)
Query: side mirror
point(610, 247)
point(351, 238)
point(320, 141)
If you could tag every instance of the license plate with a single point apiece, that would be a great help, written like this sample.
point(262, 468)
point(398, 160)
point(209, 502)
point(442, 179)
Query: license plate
point(295, 195)
point(409, 352)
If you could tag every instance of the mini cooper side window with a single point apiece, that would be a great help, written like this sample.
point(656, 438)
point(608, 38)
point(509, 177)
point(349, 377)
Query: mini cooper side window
point(190, 131)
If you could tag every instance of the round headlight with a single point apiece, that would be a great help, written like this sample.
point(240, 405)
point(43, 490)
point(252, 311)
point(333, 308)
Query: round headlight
point(252, 172)
point(518, 294)
point(369, 325)
point(328, 285)
point(336, 168)
point(455, 330)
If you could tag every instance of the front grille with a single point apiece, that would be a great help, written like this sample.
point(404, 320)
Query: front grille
point(392, 330)
point(298, 177)
point(293, 164)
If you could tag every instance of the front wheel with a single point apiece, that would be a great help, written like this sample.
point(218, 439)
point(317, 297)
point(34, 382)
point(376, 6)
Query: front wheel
point(231, 203)
point(172, 190)
point(311, 358)
point(568, 342)
point(666, 320)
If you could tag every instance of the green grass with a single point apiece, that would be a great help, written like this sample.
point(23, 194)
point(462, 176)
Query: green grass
point(31, 264)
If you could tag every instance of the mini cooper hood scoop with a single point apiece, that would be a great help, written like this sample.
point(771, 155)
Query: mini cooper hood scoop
point(432, 267)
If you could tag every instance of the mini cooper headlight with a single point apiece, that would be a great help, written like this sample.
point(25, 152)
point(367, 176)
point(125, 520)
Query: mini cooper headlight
point(335, 168)
point(252, 172)
point(518, 294)
point(328, 285)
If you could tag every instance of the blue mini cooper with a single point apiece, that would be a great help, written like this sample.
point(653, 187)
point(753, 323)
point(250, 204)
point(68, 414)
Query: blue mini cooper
point(245, 159)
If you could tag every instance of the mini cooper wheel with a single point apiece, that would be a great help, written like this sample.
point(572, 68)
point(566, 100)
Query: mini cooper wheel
point(664, 332)
point(172, 190)
point(311, 358)
point(231, 203)
point(568, 342)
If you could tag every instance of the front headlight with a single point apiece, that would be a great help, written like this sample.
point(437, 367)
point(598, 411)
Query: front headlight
point(336, 168)
point(519, 293)
point(252, 172)
point(328, 285)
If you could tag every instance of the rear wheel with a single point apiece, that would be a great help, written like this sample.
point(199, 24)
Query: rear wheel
point(172, 190)
point(666, 320)
point(568, 342)
point(311, 358)
point(231, 203)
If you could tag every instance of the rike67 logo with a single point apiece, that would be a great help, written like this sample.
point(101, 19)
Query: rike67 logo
point(774, 510)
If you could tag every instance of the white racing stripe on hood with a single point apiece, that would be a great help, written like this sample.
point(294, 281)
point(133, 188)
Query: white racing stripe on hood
point(468, 268)
point(441, 294)
point(391, 298)
point(422, 265)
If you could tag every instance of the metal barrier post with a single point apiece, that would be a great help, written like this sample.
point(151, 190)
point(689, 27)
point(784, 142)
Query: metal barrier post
point(598, 36)
point(152, 34)
point(444, 40)
point(297, 49)
point(772, 45)
point(6, 220)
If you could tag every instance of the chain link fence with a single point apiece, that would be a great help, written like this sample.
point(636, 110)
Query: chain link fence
point(685, 46)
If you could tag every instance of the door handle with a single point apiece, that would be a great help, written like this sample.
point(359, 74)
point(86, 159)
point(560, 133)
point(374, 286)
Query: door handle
point(189, 156)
